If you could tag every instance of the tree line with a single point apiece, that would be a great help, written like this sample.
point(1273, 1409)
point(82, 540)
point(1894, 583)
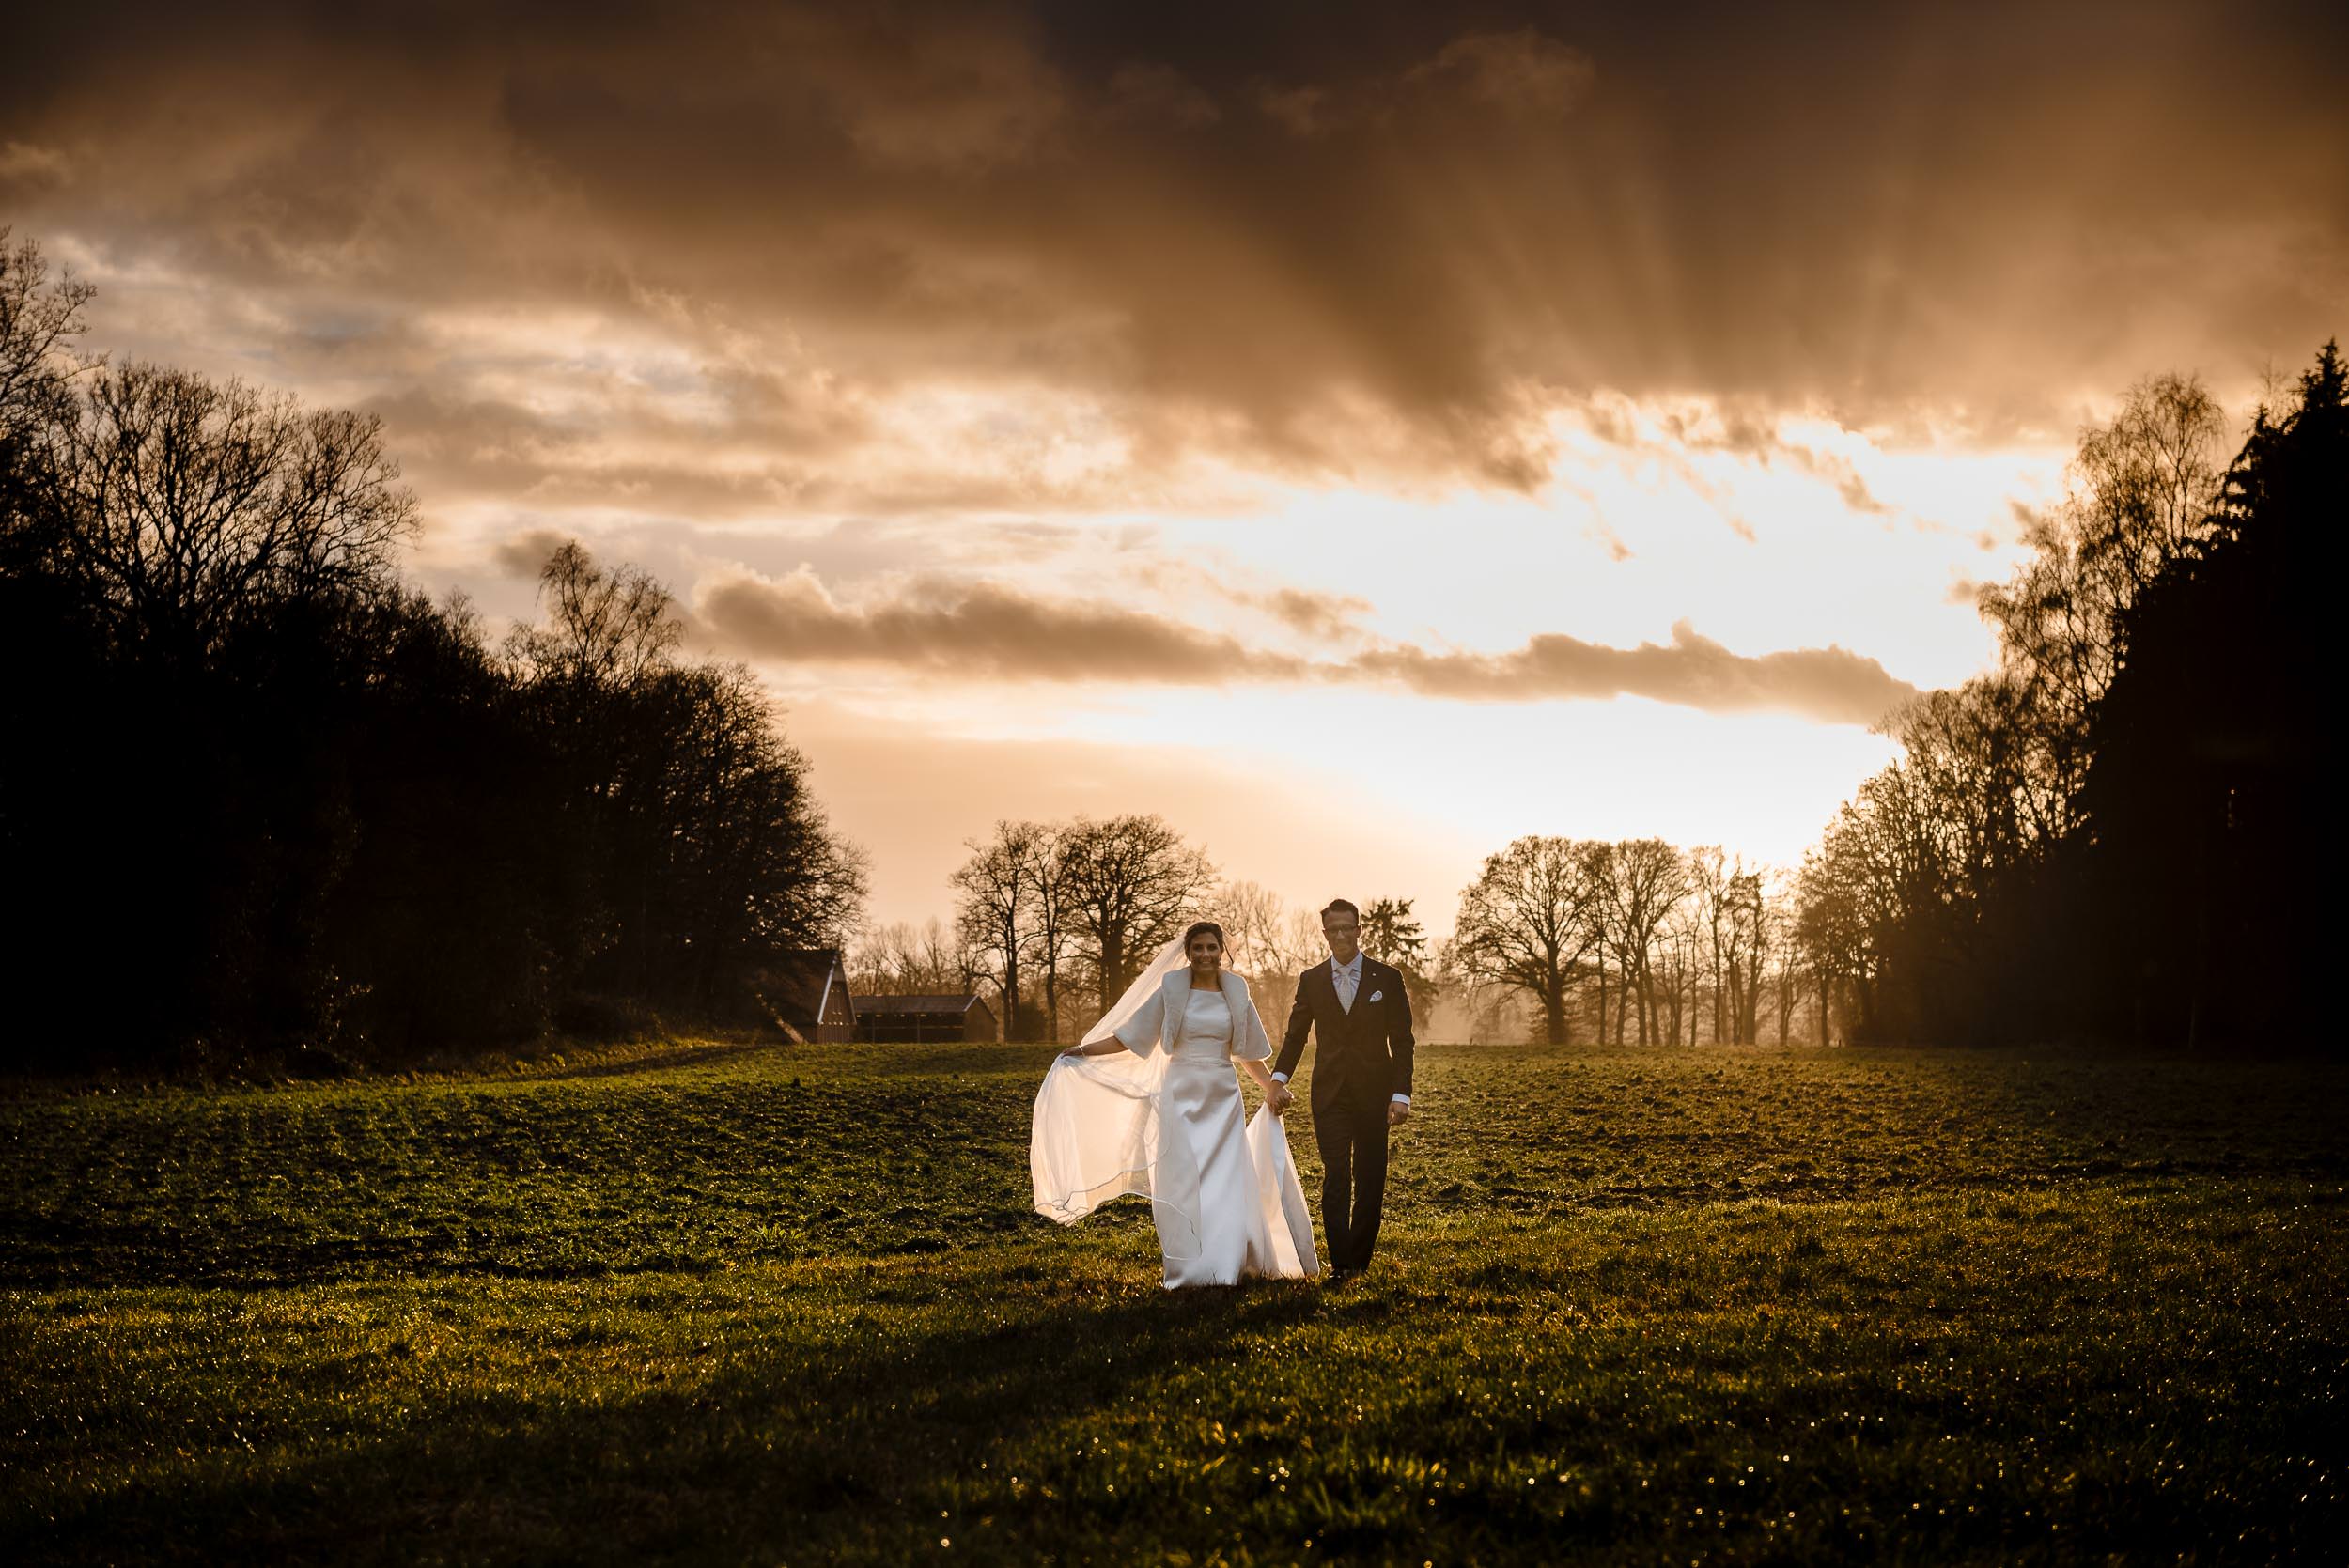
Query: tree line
point(1567, 940)
point(1054, 920)
point(260, 794)
point(1057, 918)
point(1605, 941)
point(1635, 941)
point(2119, 834)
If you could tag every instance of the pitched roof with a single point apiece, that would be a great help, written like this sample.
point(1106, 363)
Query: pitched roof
point(919, 1004)
point(798, 985)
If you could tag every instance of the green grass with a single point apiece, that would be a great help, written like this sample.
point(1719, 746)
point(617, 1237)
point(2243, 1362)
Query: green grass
point(791, 1306)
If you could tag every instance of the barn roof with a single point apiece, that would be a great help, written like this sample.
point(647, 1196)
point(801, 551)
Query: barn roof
point(798, 984)
point(919, 1004)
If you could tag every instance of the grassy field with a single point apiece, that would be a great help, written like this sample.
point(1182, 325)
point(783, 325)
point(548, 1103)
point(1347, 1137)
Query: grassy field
point(770, 1306)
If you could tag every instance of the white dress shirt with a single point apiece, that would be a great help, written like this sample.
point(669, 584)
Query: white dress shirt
point(1348, 978)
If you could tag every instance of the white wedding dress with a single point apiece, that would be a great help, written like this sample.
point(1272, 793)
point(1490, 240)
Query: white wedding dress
point(1162, 1119)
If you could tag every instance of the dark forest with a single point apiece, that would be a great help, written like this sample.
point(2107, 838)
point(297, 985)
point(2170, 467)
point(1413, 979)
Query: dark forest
point(265, 800)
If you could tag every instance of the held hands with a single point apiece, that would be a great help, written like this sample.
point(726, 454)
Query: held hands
point(1397, 1113)
point(1278, 1098)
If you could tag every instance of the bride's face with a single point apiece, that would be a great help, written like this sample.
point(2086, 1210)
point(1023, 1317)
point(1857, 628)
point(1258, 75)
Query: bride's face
point(1206, 951)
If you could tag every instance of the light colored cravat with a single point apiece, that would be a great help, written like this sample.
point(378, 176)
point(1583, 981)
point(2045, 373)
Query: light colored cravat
point(1348, 979)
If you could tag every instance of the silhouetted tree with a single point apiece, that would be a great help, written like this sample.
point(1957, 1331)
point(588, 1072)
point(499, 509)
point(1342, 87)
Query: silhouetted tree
point(2089, 838)
point(694, 849)
point(996, 907)
point(2209, 793)
point(1647, 879)
point(905, 959)
point(1267, 943)
point(1680, 972)
point(1127, 883)
point(192, 506)
point(1390, 933)
point(1528, 920)
point(41, 321)
point(1054, 927)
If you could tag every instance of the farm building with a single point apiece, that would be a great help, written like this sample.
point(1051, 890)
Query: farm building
point(808, 994)
point(925, 1018)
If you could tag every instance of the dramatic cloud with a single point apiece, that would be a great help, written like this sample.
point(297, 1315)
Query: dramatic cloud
point(1755, 434)
point(988, 631)
point(1497, 318)
point(1258, 234)
point(974, 631)
point(1829, 684)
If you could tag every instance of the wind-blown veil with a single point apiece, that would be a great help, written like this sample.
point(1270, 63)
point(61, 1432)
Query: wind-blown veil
point(1097, 1124)
point(1097, 1138)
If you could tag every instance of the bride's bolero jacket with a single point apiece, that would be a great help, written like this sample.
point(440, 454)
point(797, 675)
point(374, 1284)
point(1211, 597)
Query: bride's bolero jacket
point(1159, 1020)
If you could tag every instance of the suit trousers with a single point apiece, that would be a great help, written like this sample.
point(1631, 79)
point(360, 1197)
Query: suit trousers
point(1352, 1133)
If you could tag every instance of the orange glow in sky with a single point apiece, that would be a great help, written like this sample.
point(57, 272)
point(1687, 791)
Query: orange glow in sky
point(1361, 448)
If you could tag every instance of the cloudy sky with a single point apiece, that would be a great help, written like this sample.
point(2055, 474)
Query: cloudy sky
point(1361, 432)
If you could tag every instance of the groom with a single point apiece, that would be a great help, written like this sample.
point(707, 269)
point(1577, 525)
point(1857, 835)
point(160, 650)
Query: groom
point(1361, 1020)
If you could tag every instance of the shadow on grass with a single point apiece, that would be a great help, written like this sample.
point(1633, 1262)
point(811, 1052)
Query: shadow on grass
point(800, 1451)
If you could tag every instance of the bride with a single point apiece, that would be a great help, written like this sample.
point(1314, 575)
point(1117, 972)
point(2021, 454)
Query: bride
point(1147, 1104)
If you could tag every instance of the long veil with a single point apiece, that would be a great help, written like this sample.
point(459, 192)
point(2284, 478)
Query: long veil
point(1097, 1138)
point(1096, 1135)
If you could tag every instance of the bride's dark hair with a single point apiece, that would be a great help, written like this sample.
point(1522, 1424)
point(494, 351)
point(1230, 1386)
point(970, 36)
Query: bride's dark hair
point(1198, 925)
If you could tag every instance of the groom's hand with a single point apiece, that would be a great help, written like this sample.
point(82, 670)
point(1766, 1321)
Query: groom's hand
point(1279, 1098)
point(1397, 1113)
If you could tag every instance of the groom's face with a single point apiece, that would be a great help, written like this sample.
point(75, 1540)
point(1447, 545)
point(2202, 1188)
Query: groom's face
point(1345, 934)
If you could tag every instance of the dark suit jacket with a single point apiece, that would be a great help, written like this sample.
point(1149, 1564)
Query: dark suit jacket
point(1362, 1055)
